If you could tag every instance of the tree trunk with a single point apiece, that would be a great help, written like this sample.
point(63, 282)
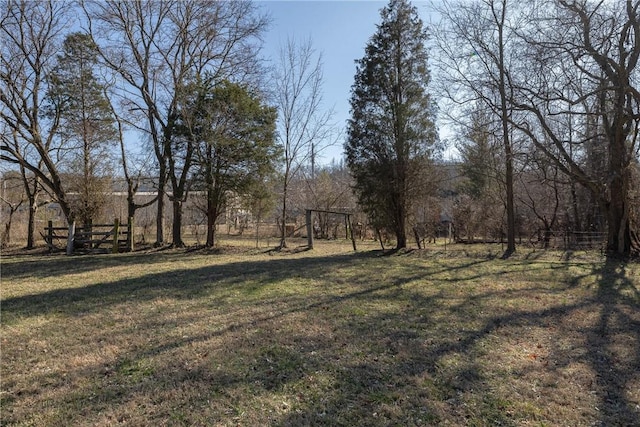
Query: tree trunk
point(401, 232)
point(212, 214)
point(283, 232)
point(617, 213)
point(547, 235)
point(177, 224)
point(619, 227)
point(32, 197)
point(160, 207)
point(31, 225)
point(212, 197)
point(511, 217)
point(577, 222)
point(131, 204)
point(402, 239)
point(504, 113)
point(62, 201)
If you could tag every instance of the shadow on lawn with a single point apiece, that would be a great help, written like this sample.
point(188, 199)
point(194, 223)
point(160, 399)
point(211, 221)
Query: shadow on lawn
point(364, 388)
point(57, 264)
point(616, 292)
point(398, 374)
point(274, 367)
point(179, 283)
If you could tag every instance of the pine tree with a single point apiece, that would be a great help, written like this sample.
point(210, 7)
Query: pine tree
point(86, 122)
point(478, 153)
point(392, 137)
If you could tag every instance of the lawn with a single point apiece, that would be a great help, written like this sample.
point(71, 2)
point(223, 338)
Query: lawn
point(245, 337)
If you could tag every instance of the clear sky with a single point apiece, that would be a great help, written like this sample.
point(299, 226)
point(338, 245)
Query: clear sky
point(339, 30)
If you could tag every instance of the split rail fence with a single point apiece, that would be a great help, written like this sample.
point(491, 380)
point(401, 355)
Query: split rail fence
point(112, 238)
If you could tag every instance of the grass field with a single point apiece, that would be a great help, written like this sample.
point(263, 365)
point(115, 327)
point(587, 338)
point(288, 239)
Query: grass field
point(324, 337)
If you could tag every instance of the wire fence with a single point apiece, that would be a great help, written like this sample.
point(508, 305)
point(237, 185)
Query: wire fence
point(571, 240)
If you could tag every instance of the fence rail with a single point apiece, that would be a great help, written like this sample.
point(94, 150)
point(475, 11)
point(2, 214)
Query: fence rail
point(116, 237)
point(572, 240)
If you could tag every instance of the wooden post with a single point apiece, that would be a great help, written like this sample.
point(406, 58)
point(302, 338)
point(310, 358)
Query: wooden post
point(50, 235)
point(71, 237)
point(417, 235)
point(353, 239)
point(87, 230)
point(309, 229)
point(116, 233)
point(346, 226)
point(380, 238)
point(130, 236)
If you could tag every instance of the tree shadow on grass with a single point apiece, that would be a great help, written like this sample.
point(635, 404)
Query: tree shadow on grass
point(53, 265)
point(449, 371)
point(178, 283)
point(617, 297)
point(274, 367)
point(400, 365)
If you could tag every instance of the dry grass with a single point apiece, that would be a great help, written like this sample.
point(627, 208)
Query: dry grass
point(324, 337)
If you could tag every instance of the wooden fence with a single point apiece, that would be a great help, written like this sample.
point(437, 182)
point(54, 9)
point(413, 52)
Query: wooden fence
point(113, 238)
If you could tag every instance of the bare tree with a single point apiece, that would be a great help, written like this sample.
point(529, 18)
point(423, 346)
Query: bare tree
point(541, 191)
point(132, 175)
point(304, 128)
point(157, 47)
point(12, 198)
point(582, 59)
point(30, 35)
point(32, 187)
point(475, 46)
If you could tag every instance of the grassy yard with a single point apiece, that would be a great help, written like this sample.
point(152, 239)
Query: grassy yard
point(324, 337)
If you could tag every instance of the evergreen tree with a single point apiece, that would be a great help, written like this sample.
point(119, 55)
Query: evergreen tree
point(479, 156)
point(392, 137)
point(232, 133)
point(482, 168)
point(86, 123)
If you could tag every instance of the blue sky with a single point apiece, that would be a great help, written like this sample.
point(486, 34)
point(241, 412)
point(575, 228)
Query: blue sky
point(340, 31)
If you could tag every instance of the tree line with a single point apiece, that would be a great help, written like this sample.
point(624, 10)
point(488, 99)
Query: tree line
point(184, 76)
point(553, 85)
point(542, 99)
point(543, 96)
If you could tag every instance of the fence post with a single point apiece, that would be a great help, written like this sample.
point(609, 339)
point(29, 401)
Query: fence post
point(309, 229)
point(116, 233)
point(346, 227)
point(353, 238)
point(71, 237)
point(130, 237)
point(50, 235)
point(417, 235)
